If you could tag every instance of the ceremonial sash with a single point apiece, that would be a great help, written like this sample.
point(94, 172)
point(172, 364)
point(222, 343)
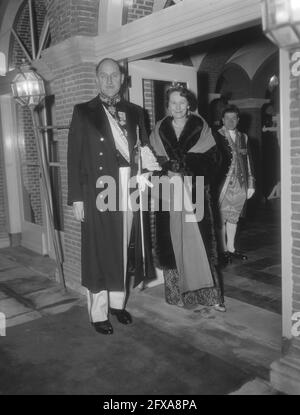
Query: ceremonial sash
point(121, 142)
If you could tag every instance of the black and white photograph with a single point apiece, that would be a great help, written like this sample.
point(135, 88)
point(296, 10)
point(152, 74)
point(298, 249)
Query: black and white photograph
point(149, 200)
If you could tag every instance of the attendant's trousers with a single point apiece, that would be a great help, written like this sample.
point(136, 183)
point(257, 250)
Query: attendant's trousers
point(98, 303)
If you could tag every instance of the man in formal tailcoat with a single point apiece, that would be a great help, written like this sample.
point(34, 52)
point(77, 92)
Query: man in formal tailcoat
point(101, 144)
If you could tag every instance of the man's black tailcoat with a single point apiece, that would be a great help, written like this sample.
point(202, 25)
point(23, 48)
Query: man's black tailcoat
point(91, 154)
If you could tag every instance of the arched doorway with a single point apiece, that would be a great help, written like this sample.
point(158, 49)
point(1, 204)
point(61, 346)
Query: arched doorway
point(250, 80)
point(29, 36)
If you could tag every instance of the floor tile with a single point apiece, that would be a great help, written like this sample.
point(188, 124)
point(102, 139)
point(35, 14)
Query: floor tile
point(10, 307)
point(30, 284)
point(49, 297)
point(17, 272)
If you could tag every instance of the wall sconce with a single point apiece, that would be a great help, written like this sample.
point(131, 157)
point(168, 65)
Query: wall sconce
point(28, 90)
point(281, 22)
point(28, 87)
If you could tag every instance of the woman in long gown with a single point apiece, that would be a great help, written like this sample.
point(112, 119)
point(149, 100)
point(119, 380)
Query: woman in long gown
point(187, 251)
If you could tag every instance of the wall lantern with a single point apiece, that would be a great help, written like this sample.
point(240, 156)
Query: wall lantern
point(28, 87)
point(28, 90)
point(281, 22)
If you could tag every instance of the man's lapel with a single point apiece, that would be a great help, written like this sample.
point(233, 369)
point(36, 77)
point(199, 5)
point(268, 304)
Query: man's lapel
point(99, 119)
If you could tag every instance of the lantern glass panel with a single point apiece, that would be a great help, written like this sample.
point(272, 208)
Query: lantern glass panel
point(270, 36)
point(14, 90)
point(279, 12)
point(28, 87)
point(270, 14)
point(285, 36)
point(20, 88)
point(42, 87)
point(295, 10)
point(264, 15)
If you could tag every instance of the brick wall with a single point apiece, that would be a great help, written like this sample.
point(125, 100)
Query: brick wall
point(295, 163)
point(213, 64)
point(30, 173)
point(149, 102)
point(139, 8)
point(68, 18)
point(71, 86)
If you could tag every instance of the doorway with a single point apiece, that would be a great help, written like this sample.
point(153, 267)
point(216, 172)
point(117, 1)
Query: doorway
point(252, 288)
point(149, 81)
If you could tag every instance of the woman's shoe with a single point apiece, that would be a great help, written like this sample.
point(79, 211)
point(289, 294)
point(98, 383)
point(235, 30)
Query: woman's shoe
point(220, 307)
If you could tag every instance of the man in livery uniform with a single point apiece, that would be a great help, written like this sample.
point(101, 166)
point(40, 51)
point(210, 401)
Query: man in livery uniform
point(235, 181)
point(101, 143)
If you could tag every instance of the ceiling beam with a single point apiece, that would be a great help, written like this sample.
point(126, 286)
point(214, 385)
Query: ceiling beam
point(183, 24)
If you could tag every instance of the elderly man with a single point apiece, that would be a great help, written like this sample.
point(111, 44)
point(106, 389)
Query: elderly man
point(102, 138)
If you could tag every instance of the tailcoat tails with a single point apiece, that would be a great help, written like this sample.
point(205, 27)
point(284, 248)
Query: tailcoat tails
point(92, 157)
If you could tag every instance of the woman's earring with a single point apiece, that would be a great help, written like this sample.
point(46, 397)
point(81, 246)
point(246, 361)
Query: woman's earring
point(188, 111)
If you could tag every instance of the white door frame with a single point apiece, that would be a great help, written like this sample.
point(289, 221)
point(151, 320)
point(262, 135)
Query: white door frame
point(8, 135)
point(33, 235)
point(158, 71)
point(147, 69)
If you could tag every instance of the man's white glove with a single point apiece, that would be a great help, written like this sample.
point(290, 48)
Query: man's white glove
point(142, 180)
point(149, 161)
point(78, 211)
point(250, 193)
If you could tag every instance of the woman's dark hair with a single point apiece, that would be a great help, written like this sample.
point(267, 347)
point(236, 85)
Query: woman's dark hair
point(231, 109)
point(184, 92)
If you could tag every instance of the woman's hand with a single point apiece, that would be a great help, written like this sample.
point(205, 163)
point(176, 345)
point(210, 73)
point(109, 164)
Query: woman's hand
point(175, 166)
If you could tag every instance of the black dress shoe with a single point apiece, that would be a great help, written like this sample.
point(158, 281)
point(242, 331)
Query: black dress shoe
point(239, 255)
point(122, 315)
point(103, 327)
point(226, 258)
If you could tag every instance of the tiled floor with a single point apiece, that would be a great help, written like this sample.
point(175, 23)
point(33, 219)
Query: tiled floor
point(27, 290)
point(51, 348)
point(257, 281)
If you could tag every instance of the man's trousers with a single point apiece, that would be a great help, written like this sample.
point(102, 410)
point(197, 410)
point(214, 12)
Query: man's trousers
point(98, 303)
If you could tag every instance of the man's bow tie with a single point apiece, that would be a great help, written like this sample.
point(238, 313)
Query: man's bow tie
point(110, 101)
